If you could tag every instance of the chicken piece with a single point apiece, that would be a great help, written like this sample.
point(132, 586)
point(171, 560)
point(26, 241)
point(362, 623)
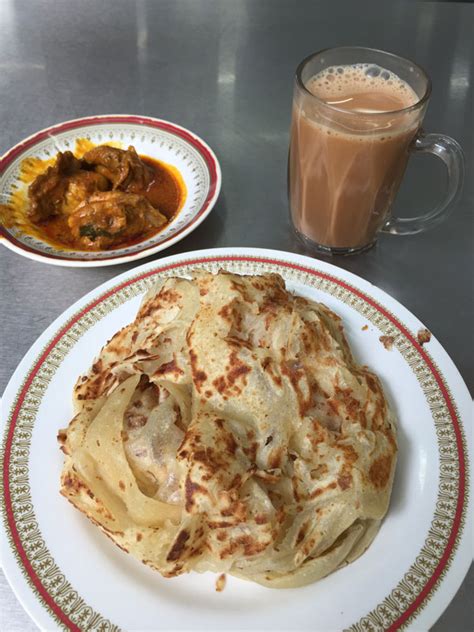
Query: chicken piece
point(80, 186)
point(46, 194)
point(110, 218)
point(123, 168)
point(62, 188)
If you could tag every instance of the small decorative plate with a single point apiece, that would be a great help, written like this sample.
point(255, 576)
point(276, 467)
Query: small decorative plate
point(152, 137)
point(69, 576)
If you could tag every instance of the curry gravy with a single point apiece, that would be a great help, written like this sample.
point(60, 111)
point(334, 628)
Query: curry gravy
point(167, 193)
point(167, 190)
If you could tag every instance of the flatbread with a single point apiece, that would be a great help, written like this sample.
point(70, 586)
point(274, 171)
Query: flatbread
point(229, 428)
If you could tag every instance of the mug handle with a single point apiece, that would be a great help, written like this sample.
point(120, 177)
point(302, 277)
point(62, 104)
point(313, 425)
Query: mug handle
point(451, 154)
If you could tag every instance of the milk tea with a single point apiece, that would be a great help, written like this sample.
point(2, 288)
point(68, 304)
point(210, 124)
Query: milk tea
point(347, 160)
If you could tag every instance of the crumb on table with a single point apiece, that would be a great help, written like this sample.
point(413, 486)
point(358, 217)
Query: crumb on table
point(387, 342)
point(365, 327)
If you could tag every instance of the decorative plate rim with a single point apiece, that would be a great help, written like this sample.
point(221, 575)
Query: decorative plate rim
point(389, 610)
point(208, 155)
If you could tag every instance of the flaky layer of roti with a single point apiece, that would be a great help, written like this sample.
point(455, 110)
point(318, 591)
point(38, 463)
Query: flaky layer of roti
point(229, 428)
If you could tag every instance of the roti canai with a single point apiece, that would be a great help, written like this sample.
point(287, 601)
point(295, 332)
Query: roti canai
point(228, 428)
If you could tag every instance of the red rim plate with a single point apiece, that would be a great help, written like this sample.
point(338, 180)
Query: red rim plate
point(444, 561)
point(196, 142)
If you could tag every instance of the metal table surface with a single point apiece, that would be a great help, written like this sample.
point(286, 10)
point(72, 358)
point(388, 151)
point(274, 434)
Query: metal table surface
point(225, 70)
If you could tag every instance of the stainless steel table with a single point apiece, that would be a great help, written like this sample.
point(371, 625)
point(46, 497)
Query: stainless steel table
point(224, 69)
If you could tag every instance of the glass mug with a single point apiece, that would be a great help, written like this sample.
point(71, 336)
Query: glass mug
point(350, 145)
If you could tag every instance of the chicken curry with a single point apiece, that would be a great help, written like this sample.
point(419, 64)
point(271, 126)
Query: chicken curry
point(109, 198)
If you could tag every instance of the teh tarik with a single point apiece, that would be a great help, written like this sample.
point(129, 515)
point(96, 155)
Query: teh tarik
point(348, 153)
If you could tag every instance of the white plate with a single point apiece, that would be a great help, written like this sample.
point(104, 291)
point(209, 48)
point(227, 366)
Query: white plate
point(66, 573)
point(159, 139)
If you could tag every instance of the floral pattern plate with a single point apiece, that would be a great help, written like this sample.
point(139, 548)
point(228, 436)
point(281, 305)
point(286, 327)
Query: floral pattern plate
point(159, 139)
point(69, 576)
